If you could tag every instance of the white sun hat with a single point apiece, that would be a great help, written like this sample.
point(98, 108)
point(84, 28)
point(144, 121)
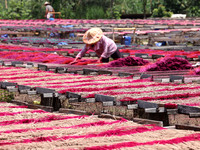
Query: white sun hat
point(92, 36)
point(46, 3)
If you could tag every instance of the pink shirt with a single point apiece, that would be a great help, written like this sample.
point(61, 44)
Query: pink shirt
point(105, 47)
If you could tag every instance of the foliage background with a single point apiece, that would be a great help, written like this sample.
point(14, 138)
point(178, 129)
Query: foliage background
point(96, 9)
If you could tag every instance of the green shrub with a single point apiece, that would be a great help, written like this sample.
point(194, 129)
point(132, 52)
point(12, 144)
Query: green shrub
point(114, 13)
point(161, 12)
point(95, 12)
point(6, 96)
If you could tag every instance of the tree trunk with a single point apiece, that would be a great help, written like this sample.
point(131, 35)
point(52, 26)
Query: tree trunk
point(111, 7)
point(6, 4)
point(151, 6)
point(144, 8)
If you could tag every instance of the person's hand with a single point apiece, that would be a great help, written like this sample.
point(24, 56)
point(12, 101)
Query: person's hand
point(74, 61)
point(99, 60)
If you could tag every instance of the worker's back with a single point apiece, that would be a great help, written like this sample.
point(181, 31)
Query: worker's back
point(49, 8)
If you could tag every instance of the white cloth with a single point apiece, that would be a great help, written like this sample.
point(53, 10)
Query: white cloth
point(48, 15)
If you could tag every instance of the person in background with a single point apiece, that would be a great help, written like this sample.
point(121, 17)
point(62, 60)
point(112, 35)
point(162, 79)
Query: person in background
point(49, 9)
point(102, 45)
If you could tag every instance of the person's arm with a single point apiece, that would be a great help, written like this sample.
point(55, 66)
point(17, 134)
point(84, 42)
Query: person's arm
point(80, 54)
point(74, 61)
point(100, 60)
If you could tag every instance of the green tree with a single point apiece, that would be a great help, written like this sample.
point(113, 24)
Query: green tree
point(188, 7)
point(17, 10)
point(161, 12)
point(193, 8)
point(96, 9)
point(37, 9)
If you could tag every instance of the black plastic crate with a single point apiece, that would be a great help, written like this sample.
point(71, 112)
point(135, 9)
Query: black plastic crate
point(4, 85)
point(44, 90)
